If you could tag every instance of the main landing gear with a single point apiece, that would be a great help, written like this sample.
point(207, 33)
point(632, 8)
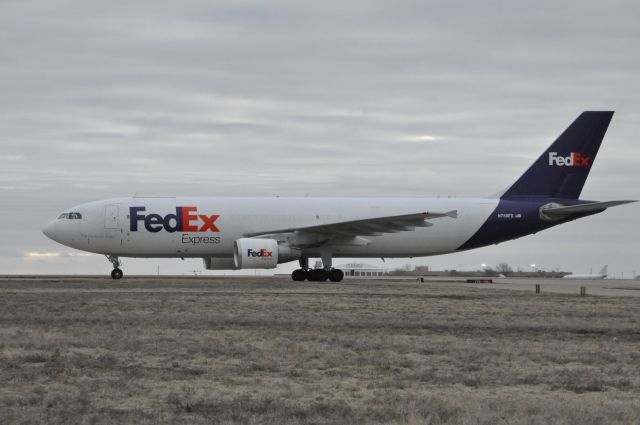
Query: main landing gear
point(116, 273)
point(317, 274)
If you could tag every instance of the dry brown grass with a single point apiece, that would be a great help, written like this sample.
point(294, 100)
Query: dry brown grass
point(256, 351)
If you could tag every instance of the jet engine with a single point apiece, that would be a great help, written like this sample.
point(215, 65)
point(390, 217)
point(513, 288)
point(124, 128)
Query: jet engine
point(249, 253)
point(219, 263)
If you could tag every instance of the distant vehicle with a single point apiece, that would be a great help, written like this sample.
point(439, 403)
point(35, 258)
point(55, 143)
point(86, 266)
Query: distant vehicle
point(260, 233)
point(601, 275)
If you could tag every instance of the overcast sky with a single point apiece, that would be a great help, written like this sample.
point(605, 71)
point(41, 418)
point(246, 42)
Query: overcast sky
point(331, 98)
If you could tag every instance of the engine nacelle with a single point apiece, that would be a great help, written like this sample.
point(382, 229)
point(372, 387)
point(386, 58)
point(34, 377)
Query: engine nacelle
point(249, 253)
point(219, 263)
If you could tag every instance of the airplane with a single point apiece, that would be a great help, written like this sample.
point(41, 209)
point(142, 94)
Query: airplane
point(601, 275)
point(231, 233)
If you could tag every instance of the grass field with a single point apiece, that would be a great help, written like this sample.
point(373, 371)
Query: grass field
point(269, 351)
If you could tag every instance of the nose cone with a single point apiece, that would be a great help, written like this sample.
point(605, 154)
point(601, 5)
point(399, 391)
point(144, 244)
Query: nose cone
point(50, 230)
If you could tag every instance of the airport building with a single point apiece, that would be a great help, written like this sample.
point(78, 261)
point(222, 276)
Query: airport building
point(360, 270)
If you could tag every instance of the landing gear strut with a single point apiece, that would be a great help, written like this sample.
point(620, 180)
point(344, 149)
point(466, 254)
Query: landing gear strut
point(116, 273)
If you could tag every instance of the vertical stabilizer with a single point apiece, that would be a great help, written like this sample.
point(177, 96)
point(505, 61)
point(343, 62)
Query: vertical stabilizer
point(561, 171)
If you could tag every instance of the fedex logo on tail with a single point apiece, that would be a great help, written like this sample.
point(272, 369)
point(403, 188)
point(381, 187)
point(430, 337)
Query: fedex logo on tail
point(261, 253)
point(186, 219)
point(575, 159)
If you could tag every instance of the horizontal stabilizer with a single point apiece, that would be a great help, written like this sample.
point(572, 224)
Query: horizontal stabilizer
point(563, 211)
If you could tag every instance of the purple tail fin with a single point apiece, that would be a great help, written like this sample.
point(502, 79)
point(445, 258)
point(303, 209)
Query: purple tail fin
point(562, 169)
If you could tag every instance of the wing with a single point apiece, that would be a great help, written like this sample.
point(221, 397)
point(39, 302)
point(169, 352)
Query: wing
point(351, 229)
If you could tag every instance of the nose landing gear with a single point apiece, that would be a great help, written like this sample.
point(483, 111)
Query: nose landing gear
point(116, 273)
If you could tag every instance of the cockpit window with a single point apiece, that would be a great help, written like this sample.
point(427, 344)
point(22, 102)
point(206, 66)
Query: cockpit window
point(71, 216)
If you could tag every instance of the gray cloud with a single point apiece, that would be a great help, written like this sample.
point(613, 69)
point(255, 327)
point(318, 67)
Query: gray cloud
point(289, 98)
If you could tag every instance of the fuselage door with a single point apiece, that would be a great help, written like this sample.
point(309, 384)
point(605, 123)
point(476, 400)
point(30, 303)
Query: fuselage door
point(111, 217)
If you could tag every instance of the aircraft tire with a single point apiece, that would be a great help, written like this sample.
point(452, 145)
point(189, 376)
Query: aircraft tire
point(317, 275)
point(336, 275)
point(116, 274)
point(312, 275)
point(299, 275)
point(323, 275)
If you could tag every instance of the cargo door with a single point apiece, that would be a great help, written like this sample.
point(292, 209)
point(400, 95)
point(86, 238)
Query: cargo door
point(112, 230)
point(111, 216)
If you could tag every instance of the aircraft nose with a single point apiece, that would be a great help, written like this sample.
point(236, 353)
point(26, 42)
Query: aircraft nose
point(50, 230)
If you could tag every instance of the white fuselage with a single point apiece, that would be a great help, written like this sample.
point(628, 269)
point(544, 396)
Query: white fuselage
point(106, 227)
point(600, 275)
point(585, 276)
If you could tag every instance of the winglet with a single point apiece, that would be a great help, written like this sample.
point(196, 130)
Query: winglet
point(452, 213)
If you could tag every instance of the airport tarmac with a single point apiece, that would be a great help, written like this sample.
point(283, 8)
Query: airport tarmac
point(604, 287)
point(601, 287)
